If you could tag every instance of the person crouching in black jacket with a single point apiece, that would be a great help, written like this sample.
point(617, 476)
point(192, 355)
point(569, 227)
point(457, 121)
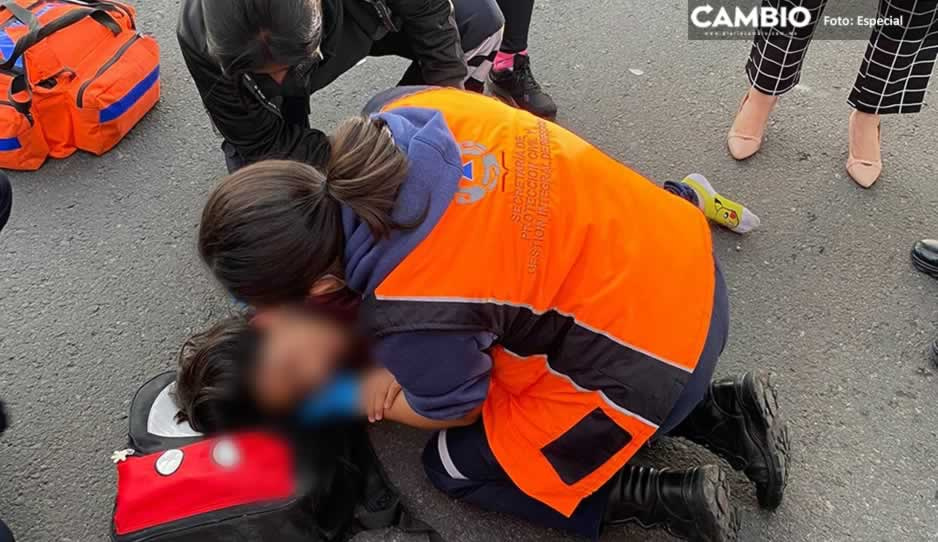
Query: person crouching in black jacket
point(256, 62)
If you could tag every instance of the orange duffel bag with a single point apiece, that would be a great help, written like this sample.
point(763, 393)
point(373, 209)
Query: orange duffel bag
point(74, 74)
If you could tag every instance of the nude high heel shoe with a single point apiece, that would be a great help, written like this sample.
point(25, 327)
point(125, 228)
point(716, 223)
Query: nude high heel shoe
point(741, 144)
point(864, 171)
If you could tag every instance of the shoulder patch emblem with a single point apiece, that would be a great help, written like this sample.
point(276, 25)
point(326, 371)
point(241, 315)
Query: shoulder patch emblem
point(480, 173)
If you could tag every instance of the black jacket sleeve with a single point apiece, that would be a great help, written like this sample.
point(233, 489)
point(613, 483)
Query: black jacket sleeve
point(255, 130)
point(430, 27)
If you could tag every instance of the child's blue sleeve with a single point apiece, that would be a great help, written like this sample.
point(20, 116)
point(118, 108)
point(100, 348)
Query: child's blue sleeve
point(340, 399)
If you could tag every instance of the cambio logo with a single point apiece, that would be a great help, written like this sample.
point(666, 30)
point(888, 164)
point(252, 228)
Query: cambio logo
point(756, 17)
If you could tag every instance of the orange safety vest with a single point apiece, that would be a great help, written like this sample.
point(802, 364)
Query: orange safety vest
point(598, 284)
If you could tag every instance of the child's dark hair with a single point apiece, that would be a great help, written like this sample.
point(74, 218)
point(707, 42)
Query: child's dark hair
point(211, 391)
point(270, 230)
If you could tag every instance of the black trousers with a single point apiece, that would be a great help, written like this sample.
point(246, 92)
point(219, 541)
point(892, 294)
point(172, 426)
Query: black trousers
point(5, 534)
point(517, 24)
point(480, 26)
point(894, 74)
point(6, 204)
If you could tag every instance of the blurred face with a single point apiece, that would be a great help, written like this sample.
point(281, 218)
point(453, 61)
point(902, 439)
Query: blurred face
point(298, 354)
point(277, 72)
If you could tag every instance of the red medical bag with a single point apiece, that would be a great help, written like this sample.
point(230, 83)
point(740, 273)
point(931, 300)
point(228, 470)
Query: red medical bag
point(238, 487)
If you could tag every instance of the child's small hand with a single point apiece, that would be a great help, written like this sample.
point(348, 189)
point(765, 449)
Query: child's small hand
point(379, 391)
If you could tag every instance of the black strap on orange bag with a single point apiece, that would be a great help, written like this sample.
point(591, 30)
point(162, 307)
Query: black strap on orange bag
point(105, 5)
point(39, 32)
point(22, 14)
point(17, 86)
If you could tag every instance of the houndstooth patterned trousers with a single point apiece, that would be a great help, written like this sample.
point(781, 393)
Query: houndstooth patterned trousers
point(896, 68)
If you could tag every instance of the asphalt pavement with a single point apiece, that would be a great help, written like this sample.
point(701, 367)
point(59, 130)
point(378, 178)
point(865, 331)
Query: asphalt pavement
point(100, 283)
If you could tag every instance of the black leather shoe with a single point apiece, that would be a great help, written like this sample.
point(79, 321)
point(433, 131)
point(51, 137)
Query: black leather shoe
point(739, 421)
point(925, 256)
point(934, 352)
point(519, 88)
point(692, 504)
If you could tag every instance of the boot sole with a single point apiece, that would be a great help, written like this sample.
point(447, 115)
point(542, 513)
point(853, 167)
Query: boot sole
point(768, 429)
point(720, 522)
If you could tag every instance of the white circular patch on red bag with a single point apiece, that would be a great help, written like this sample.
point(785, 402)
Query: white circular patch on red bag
point(225, 453)
point(169, 462)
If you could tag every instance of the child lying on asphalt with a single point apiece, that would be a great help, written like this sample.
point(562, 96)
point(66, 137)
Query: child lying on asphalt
point(289, 363)
point(304, 367)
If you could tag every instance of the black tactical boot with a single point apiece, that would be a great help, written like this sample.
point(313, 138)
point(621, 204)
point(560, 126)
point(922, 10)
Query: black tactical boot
point(740, 422)
point(691, 504)
point(519, 88)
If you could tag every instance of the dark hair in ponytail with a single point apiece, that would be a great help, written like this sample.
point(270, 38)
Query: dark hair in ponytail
point(270, 230)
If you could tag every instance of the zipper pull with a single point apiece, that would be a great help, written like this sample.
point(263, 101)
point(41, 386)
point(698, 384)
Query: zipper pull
point(121, 455)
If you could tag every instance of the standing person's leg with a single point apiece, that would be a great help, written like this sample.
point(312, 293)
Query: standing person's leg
point(6, 199)
point(480, 26)
point(899, 60)
point(776, 57)
point(773, 68)
point(5, 534)
point(893, 78)
point(512, 78)
point(518, 15)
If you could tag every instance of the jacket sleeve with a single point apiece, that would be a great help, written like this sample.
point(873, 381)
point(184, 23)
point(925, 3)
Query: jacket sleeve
point(430, 27)
point(256, 131)
point(444, 375)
